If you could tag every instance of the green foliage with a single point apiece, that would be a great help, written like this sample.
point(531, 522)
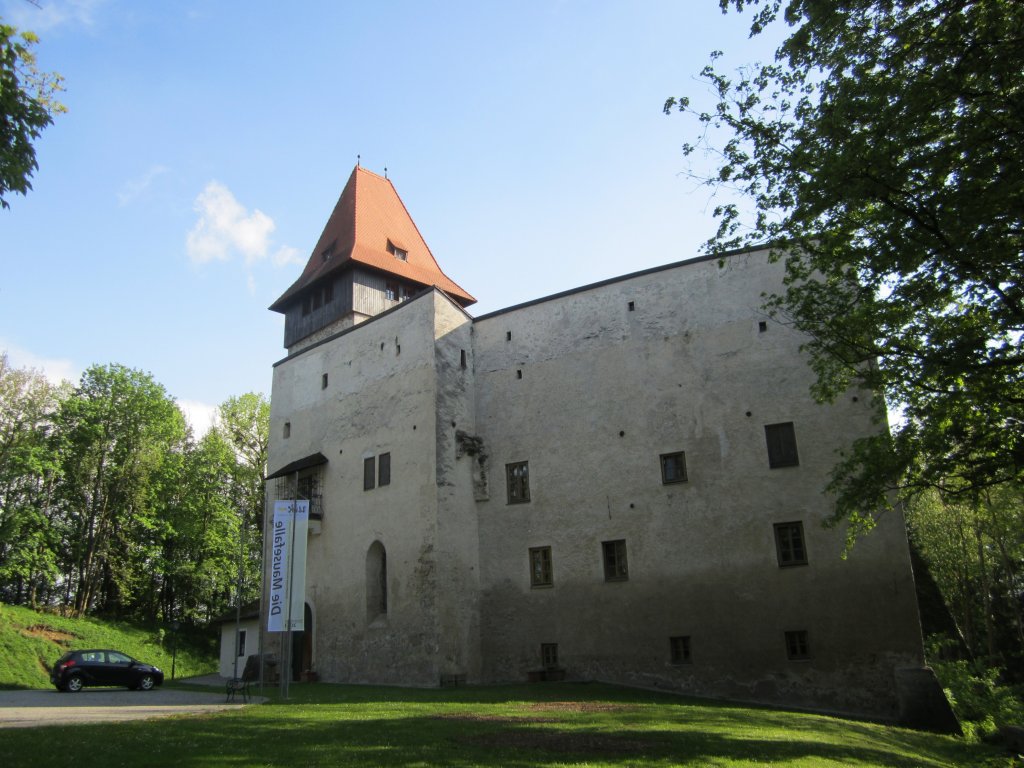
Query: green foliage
point(243, 423)
point(982, 702)
point(555, 724)
point(27, 106)
point(975, 553)
point(108, 506)
point(116, 430)
point(29, 468)
point(31, 641)
point(879, 154)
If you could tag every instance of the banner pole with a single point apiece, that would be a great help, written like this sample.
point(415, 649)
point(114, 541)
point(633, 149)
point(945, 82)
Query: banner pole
point(291, 580)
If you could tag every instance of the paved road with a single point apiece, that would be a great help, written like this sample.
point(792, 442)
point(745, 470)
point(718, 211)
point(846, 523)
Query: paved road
point(26, 709)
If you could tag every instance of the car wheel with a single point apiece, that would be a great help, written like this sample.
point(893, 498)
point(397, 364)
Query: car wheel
point(146, 682)
point(74, 684)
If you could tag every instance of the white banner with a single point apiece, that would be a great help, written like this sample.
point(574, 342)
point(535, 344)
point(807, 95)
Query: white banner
point(288, 565)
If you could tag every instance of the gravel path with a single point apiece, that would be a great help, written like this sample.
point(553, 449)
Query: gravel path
point(27, 709)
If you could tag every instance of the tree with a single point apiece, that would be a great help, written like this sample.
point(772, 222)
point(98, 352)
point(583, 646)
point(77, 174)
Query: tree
point(199, 562)
point(117, 431)
point(27, 106)
point(975, 552)
point(244, 424)
point(28, 471)
point(879, 155)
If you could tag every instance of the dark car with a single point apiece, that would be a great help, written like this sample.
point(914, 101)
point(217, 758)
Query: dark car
point(77, 669)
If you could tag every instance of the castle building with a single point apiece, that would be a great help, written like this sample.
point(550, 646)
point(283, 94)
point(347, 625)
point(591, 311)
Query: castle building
point(621, 482)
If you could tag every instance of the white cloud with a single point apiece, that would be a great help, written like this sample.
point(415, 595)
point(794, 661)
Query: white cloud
point(286, 255)
point(50, 14)
point(54, 369)
point(201, 416)
point(225, 228)
point(133, 188)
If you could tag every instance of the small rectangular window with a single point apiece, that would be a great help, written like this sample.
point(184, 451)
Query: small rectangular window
point(540, 567)
point(797, 646)
point(762, 326)
point(673, 467)
point(241, 642)
point(286, 431)
point(549, 655)
point(323, 381)
point(462, 358)
point(781, 440)
point(632, 306)
point(368, 473)
point(615, 568)
point(508, 335)
point(517, 477)
point(679, 649)
point(789, 544)
point(384, 469)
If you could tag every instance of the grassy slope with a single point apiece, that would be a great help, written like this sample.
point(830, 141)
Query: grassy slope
point(30, 642)
point(554, 724)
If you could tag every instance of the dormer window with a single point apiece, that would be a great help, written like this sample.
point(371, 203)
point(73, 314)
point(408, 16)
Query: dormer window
point(327, 252)
point(397, 252)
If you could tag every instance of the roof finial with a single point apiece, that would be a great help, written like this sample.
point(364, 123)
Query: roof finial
point(385, 171)
point(358, 157)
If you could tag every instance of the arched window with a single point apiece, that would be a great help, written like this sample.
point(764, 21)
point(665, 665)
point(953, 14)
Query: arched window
point(376, 581)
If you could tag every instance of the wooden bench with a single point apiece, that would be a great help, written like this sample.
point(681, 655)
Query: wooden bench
point(236, 686)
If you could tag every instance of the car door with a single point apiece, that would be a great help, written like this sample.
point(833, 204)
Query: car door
point(92, 666)
point(119, 668)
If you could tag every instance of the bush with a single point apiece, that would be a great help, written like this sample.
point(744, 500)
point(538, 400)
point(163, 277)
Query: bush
point(975, 691)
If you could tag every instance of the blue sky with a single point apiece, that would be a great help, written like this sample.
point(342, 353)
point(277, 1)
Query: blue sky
point(206, 143)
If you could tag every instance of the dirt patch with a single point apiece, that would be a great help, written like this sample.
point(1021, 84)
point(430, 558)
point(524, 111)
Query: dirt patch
point(48, 633)
point(563, 742)
point(580, 706)
point(496, 718)
point(552, 740)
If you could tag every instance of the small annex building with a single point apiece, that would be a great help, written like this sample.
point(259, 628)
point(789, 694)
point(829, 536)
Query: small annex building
point(239, 638)
point(621, 482)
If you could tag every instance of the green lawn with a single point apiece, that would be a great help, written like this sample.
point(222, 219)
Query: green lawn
point(560, 724)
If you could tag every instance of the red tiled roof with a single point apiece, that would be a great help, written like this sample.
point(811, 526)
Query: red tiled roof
point(368, 214)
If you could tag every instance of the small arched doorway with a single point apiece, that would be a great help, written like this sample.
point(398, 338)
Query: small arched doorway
point(302, 646)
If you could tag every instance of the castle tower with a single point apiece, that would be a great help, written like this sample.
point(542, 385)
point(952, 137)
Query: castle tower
point(369, 258)
point(365, 412)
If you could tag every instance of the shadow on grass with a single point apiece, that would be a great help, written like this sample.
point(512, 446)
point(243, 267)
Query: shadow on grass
point(504, 726)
